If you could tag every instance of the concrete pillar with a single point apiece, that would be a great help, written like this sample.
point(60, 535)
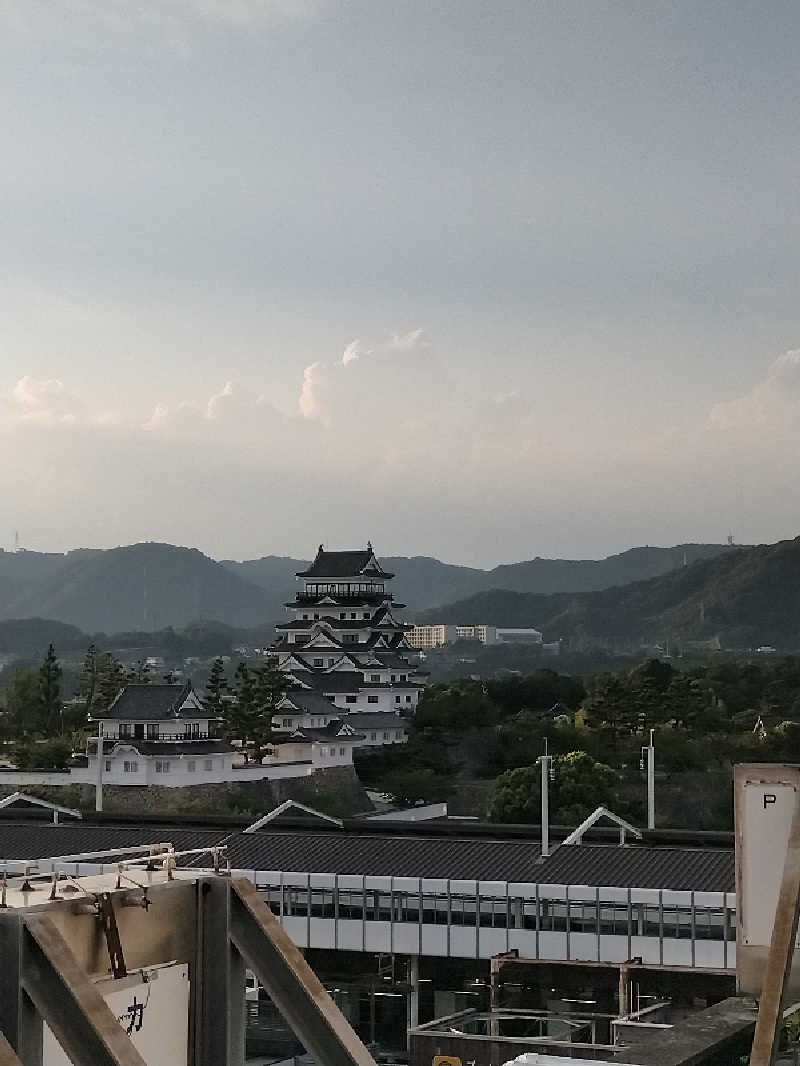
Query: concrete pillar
point(412, 1013)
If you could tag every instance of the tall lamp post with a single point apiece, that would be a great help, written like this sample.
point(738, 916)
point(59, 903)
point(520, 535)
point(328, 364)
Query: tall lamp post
point(548, 774)
point(648, 763)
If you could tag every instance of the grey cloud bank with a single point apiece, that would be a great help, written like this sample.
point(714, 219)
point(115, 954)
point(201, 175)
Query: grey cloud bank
point(483, 281)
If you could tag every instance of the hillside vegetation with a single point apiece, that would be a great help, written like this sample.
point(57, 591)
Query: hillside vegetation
point(151, 586)
point(743, 597)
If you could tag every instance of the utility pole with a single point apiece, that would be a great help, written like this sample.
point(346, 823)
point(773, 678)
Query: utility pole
point(648, 763)
point(98, 789)
point(546, 765)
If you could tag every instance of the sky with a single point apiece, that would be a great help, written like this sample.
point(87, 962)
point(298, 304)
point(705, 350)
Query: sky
point(477, 280)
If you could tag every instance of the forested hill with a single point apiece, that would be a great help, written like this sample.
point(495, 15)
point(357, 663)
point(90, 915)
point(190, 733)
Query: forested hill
point(746, 597)
point(143, 586)
point(150, 586)
point(423, 582)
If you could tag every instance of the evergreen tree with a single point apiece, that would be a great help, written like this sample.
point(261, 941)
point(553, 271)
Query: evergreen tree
point(270, 685)
point(216, 687)
point(50, 705)
point(237, 714)
point(138, 673)
point(89, 678)
point(110, 679)
point(23, 703)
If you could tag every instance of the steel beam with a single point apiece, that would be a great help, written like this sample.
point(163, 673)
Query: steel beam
point(8, 1056)
point(68, 1001)
point(290, 982)
point(218, 986)
point(781, 952)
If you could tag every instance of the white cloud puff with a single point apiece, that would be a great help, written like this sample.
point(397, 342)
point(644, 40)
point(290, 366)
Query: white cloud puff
point(771, 402)
point(46, 400)
point(309, 400)
point(407, 342)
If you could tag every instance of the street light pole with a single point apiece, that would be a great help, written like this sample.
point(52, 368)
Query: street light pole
point(545, 763)
point(649, 764)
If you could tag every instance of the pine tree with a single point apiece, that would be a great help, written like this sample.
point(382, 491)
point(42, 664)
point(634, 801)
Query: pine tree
point(89, 678)
point(110, 679)
point(237, 713)
point(216, 687)
point(138, 673)
point(50, 706)
point(270, 686)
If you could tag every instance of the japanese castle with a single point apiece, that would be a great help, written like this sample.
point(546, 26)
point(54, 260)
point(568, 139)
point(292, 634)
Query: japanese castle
point(345, 650)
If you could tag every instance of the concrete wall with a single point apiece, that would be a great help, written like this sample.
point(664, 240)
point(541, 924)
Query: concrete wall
point(336, 790)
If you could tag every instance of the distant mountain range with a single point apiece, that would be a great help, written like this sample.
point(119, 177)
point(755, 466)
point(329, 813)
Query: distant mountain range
point(744, 596)
point(151, 586)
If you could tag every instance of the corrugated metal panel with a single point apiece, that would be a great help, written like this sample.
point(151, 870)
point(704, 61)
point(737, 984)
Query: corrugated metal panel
point(398, 856)
point(36, 841)
point(680, 869)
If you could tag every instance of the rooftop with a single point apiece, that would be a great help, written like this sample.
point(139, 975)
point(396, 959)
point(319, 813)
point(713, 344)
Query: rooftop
point(345, 564)
point(151, 703)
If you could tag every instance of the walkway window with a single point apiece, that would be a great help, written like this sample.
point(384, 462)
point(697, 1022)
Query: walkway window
point(494, 912)
point(152, 730)
point(322, 904)
point(583, 917)
point(434, 910)
point(614, 919)
point(131, 767)
point(208, 764)
point(191, 766)
point(351, 905)
point(162, 766)
point(462, 910)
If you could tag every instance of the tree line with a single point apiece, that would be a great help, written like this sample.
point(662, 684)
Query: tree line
point(42, 730)
point(705, 718)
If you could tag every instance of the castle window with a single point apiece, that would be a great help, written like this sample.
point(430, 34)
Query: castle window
point(353, 614)
point(319, 662)
point(124, 729)
point(108, 766)
point(372, 699)
point(152, 731)
point(162, 766)
point(341, 751)
point(397, 699)
point(366, 614)
point(130, 767)
point(351, 699)
point(191, 766)
point(374, 677)
point(208, 764)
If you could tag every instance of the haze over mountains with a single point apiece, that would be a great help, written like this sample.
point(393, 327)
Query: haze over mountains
point(150, 586)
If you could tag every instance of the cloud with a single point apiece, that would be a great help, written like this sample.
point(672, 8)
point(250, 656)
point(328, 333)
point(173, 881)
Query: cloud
point(46, 400)
point(407, 342)
point(309, 401)
point(353, 351)
point(772, 402)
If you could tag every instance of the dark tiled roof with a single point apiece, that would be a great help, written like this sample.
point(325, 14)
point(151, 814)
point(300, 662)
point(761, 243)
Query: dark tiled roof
point(379, 720)
point(680, 869)
point(149, 703)
point(332, 731)
point(385, 856)
point(342, 564)
point(27, 840)
point(338, 681)
point(312, 702)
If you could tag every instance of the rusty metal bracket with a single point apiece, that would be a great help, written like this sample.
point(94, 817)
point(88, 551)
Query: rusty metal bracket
point(108, 920)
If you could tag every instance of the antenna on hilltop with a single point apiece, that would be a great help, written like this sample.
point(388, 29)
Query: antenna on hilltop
point(730, 540)
point(16, 540)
